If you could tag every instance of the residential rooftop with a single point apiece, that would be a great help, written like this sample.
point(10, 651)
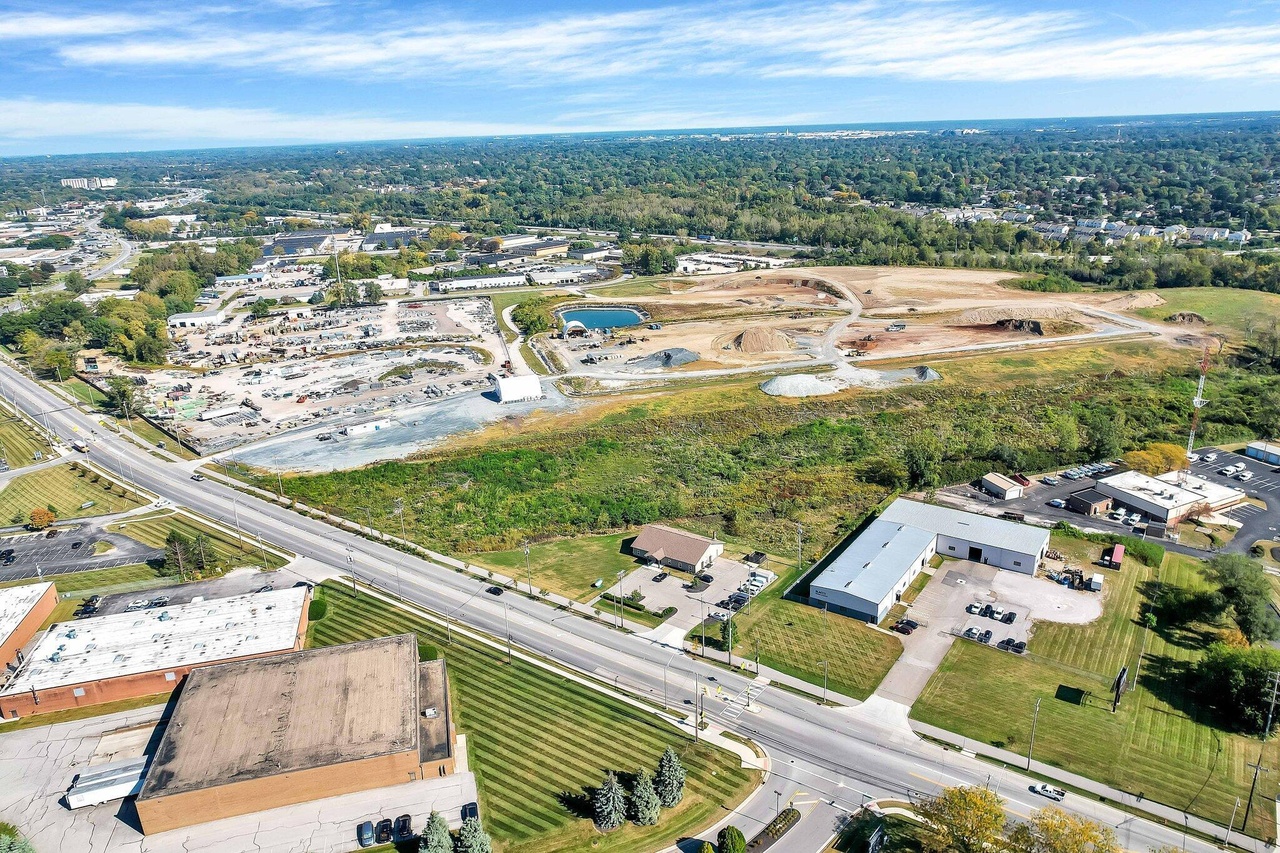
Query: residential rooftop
point(162, 638)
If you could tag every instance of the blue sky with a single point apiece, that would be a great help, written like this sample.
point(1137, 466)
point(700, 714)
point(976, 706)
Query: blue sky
point(129, 75)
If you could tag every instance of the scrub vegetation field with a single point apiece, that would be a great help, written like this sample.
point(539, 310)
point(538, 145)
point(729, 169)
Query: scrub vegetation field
point(64, 488)
point(1224, 309)
point(225, 551)
point(1160, 744)
point(539, 742)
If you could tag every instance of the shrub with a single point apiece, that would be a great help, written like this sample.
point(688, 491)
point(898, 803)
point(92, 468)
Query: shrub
point(1146, 552)
point(317, 609)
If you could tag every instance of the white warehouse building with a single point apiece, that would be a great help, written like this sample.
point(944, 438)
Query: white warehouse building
point(1171, 497)
point(873, 571)
point(516, 389)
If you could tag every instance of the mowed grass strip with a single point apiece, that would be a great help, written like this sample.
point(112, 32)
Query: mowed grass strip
point(97, 579)
point(567, 566)
point(1158, 744)
point(66, 488)
point(537, 740)
point(227, 551)
point(19, 442)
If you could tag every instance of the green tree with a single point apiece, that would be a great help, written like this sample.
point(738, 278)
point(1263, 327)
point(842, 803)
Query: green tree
point(962, 820)
point(1233, 681)
point(177, 554)
point(645, 808)
point(727, 633)
point(609, 804)
point(1051, 830)
point(122, 396)
point(731, 840)
point(668, 781)
point(1243, 585)
point(921, 454)
point(259, 309)
point(373, 293)
point(76, 283)
point(706, 848)
point(350, 293)
point(435, 836)
point(472, 838)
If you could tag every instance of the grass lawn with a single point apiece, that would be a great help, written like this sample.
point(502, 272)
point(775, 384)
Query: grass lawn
point(65, 488)
point(567, 566)
point(902, 835)
point(98, 580)
point(226, 551)
point(85, 712)
point(1222, 307)
point(537, 740)
point(19, 442)
point(638, 287)
point(1155, 745)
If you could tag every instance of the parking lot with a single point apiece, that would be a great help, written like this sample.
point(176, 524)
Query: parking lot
point(692, 603)
point(238, 582)
point(72, 550)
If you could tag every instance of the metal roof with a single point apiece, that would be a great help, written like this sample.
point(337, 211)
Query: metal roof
point(162, 638)
point(978, 529)
point(877, 560)
point(15, 603)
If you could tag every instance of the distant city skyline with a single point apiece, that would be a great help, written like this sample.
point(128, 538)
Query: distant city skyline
point(142, 75)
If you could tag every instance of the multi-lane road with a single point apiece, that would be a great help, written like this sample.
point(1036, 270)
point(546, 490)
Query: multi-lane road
point(836, 754)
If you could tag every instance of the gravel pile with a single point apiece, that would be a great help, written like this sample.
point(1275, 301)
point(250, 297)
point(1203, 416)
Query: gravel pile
point(800, 385)
point(665, 360)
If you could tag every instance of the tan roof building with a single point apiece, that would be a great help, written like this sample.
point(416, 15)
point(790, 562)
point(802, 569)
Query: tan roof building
point(678, 549)
point(260, 734)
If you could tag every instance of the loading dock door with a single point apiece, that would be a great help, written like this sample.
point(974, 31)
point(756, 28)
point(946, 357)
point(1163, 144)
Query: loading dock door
point(975, 554)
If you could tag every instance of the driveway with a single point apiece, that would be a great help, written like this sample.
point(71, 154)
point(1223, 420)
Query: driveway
point(673, 591)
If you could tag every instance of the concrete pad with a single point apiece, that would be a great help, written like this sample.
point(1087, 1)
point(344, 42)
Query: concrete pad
point(885, 714)
point(1043, 600)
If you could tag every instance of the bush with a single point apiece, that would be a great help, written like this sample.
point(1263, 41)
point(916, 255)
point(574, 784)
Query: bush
point(627, 602)
point(317, 610)
point(1145, 552)
point(667, 612)
point(780, 824)
point(731, 840)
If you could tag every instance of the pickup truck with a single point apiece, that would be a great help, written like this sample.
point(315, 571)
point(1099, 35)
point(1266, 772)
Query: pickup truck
point(1044, 789)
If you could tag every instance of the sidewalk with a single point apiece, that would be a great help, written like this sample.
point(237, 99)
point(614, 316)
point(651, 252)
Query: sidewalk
point(1160, 813)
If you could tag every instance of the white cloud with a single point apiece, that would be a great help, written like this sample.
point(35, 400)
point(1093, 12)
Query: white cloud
point(918, 40)
point(27, 119)
point(43, 26)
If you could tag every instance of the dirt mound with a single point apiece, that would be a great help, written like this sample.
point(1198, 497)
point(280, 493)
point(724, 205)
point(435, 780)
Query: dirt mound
point(800, 385)
point(979, 316)
point(757, 339)
point(1134, 301)
point(664, 360)
point(1186, 318)
point(1032, 327)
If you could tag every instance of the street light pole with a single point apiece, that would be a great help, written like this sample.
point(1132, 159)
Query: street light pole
point(506, 609)
point(528, 571)
point(824, 682)
point(1032, 745)
point(1226, 842)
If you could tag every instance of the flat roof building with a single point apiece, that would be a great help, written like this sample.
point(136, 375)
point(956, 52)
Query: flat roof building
point(678, 549)
point(23, 610)
point(868, 576)
point(541, 248)
point(126, 655)
point(1265, 451)
point(479, 282)
point(394, 239)
point(260, 734)
point(197, 319)
point(1169, 498)
point(1089, 502)
point(517, 389)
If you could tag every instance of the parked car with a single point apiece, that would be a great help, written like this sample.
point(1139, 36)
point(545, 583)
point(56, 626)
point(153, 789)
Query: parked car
point(1019, 647)
point(973, 608)
point(720, 617)
point(1008, 617)
point(382, 833)
point(986, 610)
point(1057, 503)
point(136, 605)
point(92, 601)
point(1211, 457)
point(984, 637)
point(1244, 476)
point(10, 560)
point(158, 601)
point(971, 633)
point(52, 533)
point(903, 628)
point(1044, 789)
point(1050, 481)
point(997, 613)
point(199, 478)
point(706, 578)
point(470, 810)
point(403, 828)
point(1005, 645)
point(659, 577)
point(7, 552)
point(1193, 457)
point(494, 590)
point(364, 834)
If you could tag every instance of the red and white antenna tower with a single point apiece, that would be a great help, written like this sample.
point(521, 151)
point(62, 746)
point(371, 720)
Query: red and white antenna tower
point(1197, 403)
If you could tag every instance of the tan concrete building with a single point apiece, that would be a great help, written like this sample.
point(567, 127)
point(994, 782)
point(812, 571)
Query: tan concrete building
point(146, 652)
point(256, 735)
point(23, 610)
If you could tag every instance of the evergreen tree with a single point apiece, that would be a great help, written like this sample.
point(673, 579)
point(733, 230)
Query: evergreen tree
point(472, 838)
point(645, 808)
point(668, 782)
point(731, 840)
point(609, 804)
point(435, 835)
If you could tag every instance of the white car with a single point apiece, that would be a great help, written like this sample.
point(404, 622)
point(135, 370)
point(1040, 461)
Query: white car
point(1057, 503)
point(1193, 457)
point(1211, 457)
point(1244, 476)
point(1044, 789)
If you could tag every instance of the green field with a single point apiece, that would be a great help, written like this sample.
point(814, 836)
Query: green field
point(567, 566)
point(536, 740)
point(636, 287)
point(1155, 745)
point(133, 577)
point(1226, 308)
point(65, 488)
point(19, 441)
point(227, 552)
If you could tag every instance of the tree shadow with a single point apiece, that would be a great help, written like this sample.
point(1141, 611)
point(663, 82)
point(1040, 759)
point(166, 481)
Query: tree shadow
point(1183, 617)
point(1170, 681)
point(578, 804)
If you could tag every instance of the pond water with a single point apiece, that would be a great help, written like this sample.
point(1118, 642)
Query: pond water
point(603, 318)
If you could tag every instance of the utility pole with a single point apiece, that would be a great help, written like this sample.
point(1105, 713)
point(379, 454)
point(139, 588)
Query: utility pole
point(729, 643)
point(1226, 842)
point(799, 549)
point(824, 682)
point(507, 618)
point(697, 707)
point(1032, 745)
point(527, 570)
point(1273, 684)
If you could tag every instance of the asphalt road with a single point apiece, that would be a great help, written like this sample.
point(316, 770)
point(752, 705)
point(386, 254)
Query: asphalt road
point(831, 753)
